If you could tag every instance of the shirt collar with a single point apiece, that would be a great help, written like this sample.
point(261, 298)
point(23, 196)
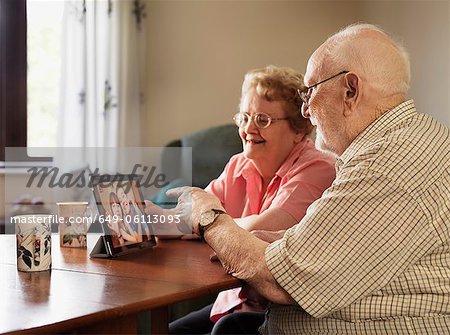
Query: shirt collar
point(382, 125)
point(247, 170)
point(292, 158)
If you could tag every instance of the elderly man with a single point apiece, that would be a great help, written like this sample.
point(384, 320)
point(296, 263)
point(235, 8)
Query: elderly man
point(372, 255)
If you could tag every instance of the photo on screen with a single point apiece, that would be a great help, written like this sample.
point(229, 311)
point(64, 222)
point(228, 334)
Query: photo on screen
point(122, 215)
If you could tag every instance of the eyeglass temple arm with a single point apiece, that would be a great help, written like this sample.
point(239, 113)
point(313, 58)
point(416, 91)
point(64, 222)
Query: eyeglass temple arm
point(322, 81)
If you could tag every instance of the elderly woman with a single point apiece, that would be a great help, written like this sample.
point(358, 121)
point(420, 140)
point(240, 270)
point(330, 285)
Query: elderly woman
point(268, 187)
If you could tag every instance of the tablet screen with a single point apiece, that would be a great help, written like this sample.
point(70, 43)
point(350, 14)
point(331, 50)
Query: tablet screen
point(122, 215)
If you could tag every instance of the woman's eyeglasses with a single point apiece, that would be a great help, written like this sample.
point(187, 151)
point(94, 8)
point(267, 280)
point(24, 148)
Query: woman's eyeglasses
point(261, 120)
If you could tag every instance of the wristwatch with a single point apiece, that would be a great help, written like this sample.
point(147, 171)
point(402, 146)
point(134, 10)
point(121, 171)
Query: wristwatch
point(207, 219)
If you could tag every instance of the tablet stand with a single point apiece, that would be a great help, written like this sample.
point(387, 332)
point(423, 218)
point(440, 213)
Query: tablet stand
point(100, 249)
point(103, 248)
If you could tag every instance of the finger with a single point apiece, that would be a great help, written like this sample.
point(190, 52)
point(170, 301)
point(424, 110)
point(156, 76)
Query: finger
point(190, 237)
point(148, 205)
point(184, 227)
point(213, 257)
point(151, 208)
point(178, 191)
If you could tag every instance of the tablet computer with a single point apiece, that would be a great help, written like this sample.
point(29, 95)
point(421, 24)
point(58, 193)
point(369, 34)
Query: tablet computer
point(121, 209)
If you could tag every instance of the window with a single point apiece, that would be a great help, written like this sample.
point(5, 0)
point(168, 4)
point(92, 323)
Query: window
point(100, 65)
point(44, 37)
point(27, 81)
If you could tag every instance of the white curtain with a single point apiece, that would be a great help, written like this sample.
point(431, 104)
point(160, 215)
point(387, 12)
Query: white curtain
point(103, 74)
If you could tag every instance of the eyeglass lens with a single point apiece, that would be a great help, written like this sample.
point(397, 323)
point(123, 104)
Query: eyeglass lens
point(305, 92)
point(261, 120)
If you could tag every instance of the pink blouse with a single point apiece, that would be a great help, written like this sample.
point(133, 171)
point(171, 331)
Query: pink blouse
point(300, 180)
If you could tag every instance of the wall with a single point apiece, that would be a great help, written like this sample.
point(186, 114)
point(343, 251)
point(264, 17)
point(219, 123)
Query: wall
point(2, 196)
point(424, 28)
point(199, 52)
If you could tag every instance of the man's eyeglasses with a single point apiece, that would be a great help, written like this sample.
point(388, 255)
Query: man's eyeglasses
point(304, 93)
point(262, 120)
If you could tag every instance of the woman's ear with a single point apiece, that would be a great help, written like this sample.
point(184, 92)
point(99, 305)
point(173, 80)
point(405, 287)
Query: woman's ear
point(351, 91)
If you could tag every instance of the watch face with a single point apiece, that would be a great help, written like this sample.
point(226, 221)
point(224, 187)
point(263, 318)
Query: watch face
point(207, 217)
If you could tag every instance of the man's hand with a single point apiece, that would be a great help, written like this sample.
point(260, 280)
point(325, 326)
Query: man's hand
point(192, 202)
point(163, 221)
point(213, 257)
point(241, 253)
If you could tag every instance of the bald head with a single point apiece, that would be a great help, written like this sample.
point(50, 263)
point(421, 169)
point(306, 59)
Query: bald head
point(368, 51)
point(363, 73)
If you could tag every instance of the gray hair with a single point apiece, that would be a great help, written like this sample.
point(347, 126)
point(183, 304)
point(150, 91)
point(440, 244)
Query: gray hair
point(386, 66)
point(275, 83)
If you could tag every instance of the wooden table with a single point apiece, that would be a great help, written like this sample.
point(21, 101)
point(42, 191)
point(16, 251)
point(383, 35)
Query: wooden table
point(104, 296)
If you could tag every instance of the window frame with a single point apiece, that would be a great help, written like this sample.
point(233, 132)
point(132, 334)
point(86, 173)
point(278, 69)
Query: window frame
point(13, 78)
point(13, 75)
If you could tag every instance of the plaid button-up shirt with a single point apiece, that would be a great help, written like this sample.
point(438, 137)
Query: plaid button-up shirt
point(372, 255)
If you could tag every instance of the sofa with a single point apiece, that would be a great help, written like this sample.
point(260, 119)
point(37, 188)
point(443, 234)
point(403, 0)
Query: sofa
point(211, 149)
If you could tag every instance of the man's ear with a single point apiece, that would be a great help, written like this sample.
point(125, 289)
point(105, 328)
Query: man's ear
point(351, 91)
